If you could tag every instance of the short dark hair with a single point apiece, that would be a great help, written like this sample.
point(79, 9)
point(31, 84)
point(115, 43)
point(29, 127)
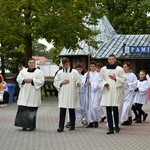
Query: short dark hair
point(93, 63)
point(31, 59)
point(112, 55)
point(78, 65)
point(119, 63)
point(20, 66)
point(127, 63)
point(65, 60)
point(99, 65)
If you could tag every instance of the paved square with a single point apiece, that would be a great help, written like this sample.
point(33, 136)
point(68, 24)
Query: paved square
point(45, 137)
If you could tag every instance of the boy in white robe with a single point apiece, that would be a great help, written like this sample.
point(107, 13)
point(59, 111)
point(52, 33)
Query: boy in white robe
point(30, 81)
point(92, 96)
point(129, 87)
point(101, 114)
point(67, 81)
point(141, 98)
point(111, 81)
point(80, 112)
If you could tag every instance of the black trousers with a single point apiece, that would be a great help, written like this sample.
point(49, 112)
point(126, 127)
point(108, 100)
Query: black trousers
point(109, 110)
point(135, 111)
point(5, 98)
point(139, 109)
point(62, 117)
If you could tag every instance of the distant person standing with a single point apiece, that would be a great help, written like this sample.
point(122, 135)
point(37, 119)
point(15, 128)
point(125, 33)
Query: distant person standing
point(67, 81)
point(111, 80)
point(30, 81)
point(4, 92)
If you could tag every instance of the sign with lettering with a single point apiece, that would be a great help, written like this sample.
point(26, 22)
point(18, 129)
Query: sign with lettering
point(137, 50)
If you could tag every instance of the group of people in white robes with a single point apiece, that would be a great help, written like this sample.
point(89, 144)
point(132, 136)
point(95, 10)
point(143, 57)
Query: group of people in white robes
point(90, 112)
point(135, 95)
point(114, 87)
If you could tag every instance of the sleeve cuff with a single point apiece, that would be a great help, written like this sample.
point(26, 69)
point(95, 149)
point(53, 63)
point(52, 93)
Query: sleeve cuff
point(23, 82)
point(32, 82)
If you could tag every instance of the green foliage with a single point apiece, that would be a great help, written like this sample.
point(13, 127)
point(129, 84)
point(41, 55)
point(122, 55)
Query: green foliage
point(63, 22)
point(38, 49)
point(129, 17)
point(13, 59)
point(54, 54)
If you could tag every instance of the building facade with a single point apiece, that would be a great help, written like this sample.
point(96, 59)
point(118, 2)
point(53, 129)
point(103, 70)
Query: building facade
point(132, 48)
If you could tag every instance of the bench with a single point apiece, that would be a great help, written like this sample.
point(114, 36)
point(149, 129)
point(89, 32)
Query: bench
point(49, 88)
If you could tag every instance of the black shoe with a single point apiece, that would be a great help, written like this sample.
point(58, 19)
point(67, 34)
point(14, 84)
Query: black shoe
point(24, 129)
point(72, 128)
point(110, 132)
point(130, 120)
point(68, 125)
point(145, 116)
point(138, 121)
point(102, 120)
point(117, 129)
point(95, 124)
point(91, 125)
point(135, 119)
point(125, 123)
point(60, 130)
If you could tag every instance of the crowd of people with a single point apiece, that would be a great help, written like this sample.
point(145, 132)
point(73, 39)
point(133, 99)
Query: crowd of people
point(112, 86)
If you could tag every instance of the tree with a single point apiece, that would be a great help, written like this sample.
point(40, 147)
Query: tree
point(38, 49)
point(129, 17)
point(11, 56)
point(12, 61)
point(53, 54)
point(62, 21)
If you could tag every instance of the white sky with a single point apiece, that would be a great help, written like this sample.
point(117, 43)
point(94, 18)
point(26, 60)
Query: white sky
point(43, 41)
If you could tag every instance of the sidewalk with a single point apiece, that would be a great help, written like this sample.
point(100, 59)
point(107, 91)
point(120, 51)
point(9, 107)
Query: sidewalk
point(45, 137)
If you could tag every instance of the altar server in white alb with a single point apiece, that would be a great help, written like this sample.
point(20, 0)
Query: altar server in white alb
point(67, 81)
point(80, 112)
point(111, 80)
point(101, 114)
point(92, 96)
point(30, 81)
point(129, 87)
point(141, 97)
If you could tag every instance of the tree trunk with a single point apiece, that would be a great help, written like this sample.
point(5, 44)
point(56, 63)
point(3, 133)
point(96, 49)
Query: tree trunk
point(28, 37)
point(2, 66)
point(28, 48)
